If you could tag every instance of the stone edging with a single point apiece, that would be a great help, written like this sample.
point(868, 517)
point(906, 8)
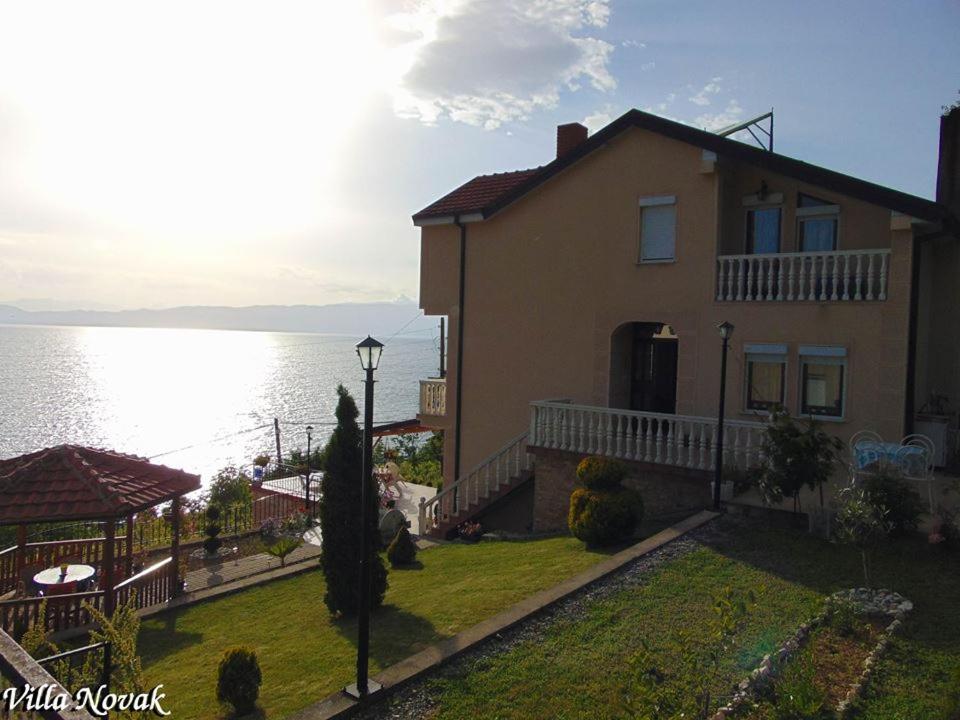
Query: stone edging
point(340, 705)
point(870, 602)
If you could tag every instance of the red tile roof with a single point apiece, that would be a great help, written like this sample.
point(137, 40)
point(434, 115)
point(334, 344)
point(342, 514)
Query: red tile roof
point(69, 482)
point(474, 195)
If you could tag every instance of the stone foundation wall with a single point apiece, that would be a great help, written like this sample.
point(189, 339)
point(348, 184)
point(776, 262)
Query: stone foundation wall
point(666, 490)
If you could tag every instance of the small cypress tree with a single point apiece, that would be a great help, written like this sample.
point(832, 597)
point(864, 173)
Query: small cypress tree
point(340, 516)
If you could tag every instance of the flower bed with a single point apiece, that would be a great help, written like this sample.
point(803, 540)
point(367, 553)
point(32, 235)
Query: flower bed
point(826, 665)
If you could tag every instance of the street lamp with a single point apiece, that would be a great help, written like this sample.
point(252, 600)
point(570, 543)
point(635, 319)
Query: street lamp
point(369, 351)
point(306, 483)
point(726, 330)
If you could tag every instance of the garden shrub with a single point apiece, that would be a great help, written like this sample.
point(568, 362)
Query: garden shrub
point(887, 489)
point(602, 512)
point(862, 524)
point(798, 696)
point(795, 455)
point(601, 473)
point(212, 543)
point(402, 550)
point(239, 678)
point(845, 617)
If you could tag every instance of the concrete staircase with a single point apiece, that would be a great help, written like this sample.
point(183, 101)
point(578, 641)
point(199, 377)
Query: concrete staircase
point(486, 483)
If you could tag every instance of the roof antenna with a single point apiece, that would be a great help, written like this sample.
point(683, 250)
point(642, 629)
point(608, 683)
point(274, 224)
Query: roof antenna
point(751, 125)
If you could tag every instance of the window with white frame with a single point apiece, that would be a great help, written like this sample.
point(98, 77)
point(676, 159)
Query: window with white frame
point(823, 381)
point(766, 368)
point(819, 223)
point(658, 228)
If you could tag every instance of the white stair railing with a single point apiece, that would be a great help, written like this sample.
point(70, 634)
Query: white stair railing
point(842, 275)
point(477, 484)
point(662, 438)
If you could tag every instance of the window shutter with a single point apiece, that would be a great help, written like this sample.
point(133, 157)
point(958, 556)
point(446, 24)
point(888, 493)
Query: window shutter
point(657, 232)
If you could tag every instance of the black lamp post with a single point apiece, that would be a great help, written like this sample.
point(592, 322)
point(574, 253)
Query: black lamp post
point(306, 482)
point(369, 351)
point(726, 330)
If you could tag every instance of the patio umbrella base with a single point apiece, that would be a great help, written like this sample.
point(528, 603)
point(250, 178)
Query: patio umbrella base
point(372, 687)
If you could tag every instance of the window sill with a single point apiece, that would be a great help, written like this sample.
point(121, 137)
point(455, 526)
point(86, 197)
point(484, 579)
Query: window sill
point(663, 261)
point(824, 418)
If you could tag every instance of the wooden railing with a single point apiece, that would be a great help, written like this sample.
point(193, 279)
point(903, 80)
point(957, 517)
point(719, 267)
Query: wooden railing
point(62, 611)
point(812, 276)
point(152, 585)
point(476, 485)
point(661, 438)
point(42, 555)
point(433, 396)
point(18, 670)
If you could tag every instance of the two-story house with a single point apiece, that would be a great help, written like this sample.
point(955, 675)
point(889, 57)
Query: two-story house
point(584, 295)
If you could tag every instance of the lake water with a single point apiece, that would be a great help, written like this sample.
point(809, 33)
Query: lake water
point(191, 399)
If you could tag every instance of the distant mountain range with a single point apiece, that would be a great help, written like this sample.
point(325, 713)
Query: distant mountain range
point(381, 318)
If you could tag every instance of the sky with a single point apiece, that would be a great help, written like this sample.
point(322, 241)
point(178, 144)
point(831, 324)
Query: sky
point(157, 154)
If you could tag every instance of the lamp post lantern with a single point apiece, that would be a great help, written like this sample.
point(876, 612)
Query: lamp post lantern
point(369, 351)
point(726, 330)
point(306, 482)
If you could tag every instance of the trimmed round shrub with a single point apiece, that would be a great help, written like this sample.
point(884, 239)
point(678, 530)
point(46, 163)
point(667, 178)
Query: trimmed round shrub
point(239, 678)
point(402, 550)
point(601, 473)
point(604, 517)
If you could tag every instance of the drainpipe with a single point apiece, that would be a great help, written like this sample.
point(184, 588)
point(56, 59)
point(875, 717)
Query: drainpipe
point(457, 420)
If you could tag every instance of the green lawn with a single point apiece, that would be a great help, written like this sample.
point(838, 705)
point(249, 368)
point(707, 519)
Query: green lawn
point(305, 655)
point(583, 669)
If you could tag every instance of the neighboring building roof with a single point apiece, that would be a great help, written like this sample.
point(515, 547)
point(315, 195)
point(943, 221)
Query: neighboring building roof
point(69, 482)
point(476, 194)
point(486, 195)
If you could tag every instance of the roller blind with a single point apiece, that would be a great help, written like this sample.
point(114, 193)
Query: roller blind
point(657, 232)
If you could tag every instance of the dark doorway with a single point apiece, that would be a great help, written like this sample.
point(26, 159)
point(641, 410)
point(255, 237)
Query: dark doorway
point(653, 375)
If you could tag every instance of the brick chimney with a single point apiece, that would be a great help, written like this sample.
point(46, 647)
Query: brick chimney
point(569, 136)
point(948, 168)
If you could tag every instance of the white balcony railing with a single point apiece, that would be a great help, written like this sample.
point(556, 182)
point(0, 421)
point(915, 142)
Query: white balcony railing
point(812, 276)
point(661, 438)
point(433, 396)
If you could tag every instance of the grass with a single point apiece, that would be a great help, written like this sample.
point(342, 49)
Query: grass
point(305, 655)
point(588, 668)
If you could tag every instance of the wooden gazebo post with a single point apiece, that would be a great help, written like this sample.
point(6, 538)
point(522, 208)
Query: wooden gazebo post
point(109, 566)
point(129, 544)
point(175, 547)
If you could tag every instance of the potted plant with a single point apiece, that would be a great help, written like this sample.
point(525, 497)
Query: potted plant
point(260, 463)
point(470, 531)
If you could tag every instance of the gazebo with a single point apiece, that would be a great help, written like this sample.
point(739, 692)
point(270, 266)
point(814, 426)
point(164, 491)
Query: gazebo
point(69, 483)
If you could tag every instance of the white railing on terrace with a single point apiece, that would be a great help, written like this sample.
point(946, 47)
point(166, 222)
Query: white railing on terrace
point(811, 276)
point(433, 396)
point(661, 438)
point(475, 485)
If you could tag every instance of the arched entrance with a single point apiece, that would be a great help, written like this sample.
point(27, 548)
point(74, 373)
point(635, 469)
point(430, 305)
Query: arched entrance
point(643, 367)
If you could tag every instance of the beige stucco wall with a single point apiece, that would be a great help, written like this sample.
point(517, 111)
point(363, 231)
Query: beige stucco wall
point(550, 278)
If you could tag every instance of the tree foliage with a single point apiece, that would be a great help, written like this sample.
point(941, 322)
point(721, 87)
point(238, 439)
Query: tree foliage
point(230, 488)
point(795, 455)
point(340, 516)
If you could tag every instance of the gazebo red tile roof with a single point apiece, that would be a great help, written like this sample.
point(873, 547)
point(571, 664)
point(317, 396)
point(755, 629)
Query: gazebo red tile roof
point(69, 482)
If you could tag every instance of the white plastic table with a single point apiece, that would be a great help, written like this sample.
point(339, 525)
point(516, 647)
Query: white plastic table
point(53, 576)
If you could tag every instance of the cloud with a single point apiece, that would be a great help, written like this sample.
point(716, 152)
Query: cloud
point(632, 44)
point(715, 121)
point(702, 96)
point(599, 119)
point(488, 62)
point(648, 66)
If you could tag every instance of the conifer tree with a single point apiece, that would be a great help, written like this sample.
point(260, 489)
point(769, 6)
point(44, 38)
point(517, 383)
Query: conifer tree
point(340, 516)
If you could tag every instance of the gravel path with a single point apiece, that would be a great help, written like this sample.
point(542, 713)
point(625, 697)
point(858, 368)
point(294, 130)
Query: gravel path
point(415, 701)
